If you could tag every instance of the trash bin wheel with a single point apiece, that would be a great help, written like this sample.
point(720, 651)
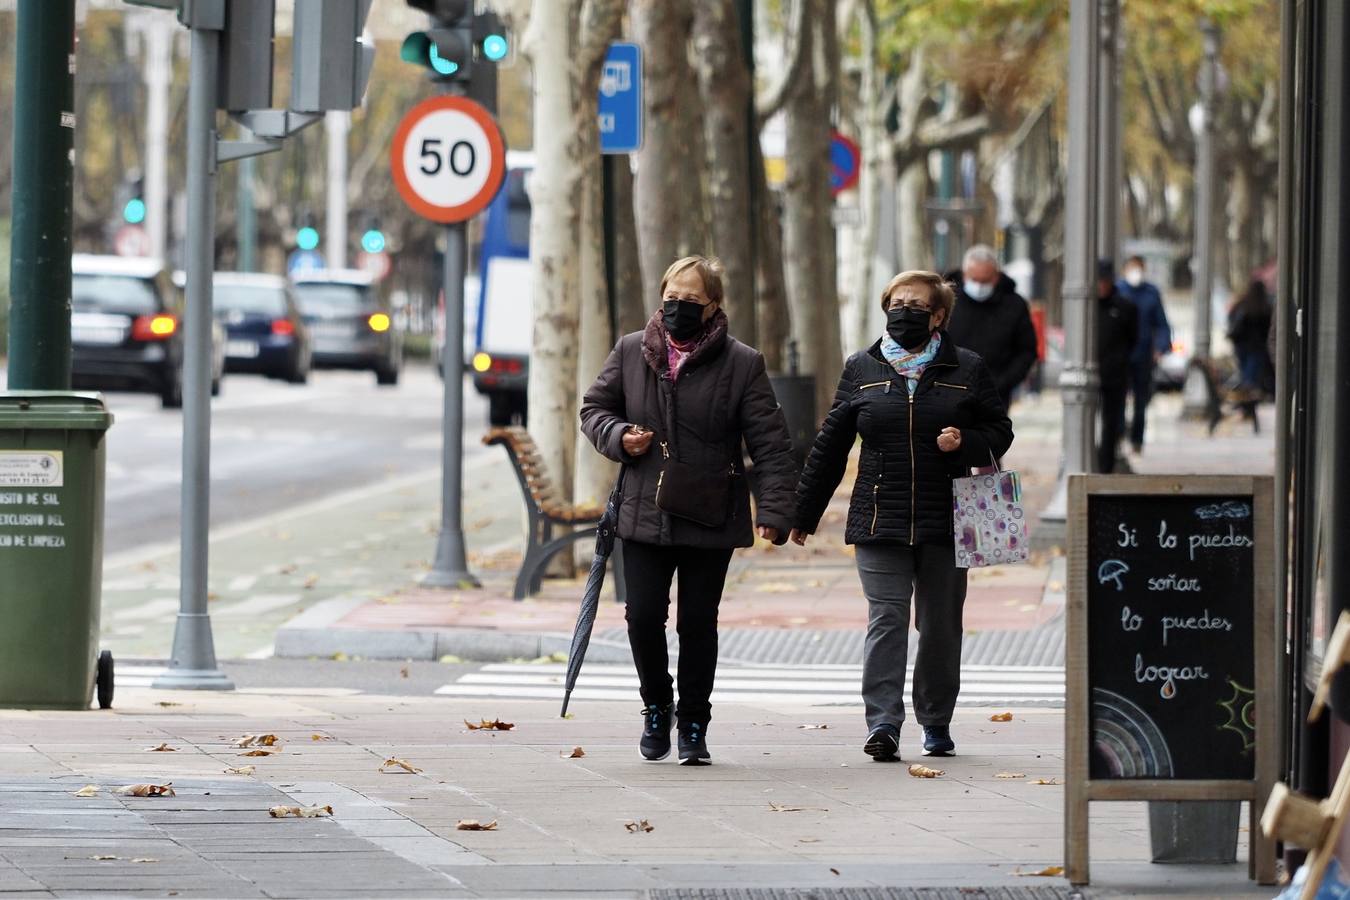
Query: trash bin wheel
point(103, 680)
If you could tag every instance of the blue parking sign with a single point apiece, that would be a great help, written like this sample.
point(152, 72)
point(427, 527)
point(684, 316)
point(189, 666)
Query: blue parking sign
point(621, 99)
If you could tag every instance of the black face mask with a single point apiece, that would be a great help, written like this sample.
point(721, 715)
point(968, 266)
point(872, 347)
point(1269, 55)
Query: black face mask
point(683, 318)
point(908, 327)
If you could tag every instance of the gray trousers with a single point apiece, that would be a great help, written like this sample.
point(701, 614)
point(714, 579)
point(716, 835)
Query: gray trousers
point(891, 574)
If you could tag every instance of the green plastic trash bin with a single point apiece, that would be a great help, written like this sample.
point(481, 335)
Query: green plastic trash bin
point(51, 550)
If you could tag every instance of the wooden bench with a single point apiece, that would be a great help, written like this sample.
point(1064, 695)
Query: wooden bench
point(547, 512)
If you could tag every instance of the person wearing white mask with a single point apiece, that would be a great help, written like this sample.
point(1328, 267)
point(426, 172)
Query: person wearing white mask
point(991, 319)
point(1155, 339)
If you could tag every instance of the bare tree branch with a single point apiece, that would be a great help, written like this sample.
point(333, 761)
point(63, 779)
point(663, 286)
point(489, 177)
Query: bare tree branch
point(771, 102)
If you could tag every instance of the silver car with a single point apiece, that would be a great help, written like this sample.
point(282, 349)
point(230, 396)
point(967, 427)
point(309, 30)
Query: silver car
point(350, 324)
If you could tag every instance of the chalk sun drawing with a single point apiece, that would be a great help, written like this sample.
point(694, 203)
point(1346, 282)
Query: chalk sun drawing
point(1241, 709)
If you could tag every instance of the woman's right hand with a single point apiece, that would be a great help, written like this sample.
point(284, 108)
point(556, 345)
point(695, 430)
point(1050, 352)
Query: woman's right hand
point(798, 537)
point(636, 444)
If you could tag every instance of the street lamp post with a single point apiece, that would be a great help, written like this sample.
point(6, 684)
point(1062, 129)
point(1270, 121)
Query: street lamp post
point(1079, 381)
point(1204, 192)
point(1109, 132)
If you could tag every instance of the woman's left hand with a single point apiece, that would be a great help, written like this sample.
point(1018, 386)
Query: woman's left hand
point(949, 440)
point(768, 532)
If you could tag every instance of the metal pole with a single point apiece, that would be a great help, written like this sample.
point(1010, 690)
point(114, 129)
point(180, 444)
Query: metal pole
point(1204, 194)
point(43, 142)
point(1079, 382)
point(246, 218)
point(745, 11)
point(159, 31)
point(336, 125)
point(451, 569)
point(1108, 108)
point(193, 665)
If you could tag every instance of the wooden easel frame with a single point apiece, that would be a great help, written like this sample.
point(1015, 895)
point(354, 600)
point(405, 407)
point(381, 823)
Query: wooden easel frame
point(1080, 789)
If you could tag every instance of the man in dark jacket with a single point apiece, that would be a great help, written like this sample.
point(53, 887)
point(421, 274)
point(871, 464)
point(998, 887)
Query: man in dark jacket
point(992, 320)
point(1155, 339)
point(1117, 332)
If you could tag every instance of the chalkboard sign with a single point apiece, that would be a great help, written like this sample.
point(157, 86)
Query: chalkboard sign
point(1170, 661)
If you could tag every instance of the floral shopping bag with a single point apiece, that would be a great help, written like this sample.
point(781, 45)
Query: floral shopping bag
point(987, 520)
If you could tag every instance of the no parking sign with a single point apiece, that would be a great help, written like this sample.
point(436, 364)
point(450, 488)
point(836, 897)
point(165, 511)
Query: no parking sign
point(448, 159)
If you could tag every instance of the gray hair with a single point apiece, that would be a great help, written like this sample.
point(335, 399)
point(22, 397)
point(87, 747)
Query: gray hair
point(980, 253)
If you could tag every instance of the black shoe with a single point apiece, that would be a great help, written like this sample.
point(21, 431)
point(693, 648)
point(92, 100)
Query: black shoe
point(694, 744)
point(656, 722)
point(883, 744)
point(937, 741)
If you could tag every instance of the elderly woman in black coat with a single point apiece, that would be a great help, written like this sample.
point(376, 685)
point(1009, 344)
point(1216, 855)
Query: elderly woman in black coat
point(688, 390)
point(927, 411)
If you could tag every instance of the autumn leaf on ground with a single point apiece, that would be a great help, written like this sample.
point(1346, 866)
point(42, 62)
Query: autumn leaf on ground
point(241, 770)
point(320, 737)
point(287, 569)
point(812, 727)
point(475, 825)
point(1011, 775)
point(396, 763)
point(300, 812)
point(403, 672)
point(162, 748)
point(258, 740)
point(834, 871)
point(103, 856)
point(1047, 781)
point(640, 826)
point(1047, 872)
point(89, 790)
point(577, 753)
point(144, 859)
point(310, 582)
point(146, 790)
point(260, 752)
point(1001, 717)
point(782, 807)
point(490, 725)
point(808, 840)
point(166, 703)
point(920, 771)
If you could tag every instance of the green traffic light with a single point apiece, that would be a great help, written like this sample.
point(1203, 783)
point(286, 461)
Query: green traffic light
point(307, 238)
point(134, 211)
point(373, 241)
point(441, 65)
point(495, 47)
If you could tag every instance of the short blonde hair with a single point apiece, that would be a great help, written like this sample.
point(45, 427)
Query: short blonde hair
point(940, 293)
point(709, 269)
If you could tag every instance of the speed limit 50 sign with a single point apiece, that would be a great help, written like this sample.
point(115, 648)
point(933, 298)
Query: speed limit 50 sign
point(448, 159)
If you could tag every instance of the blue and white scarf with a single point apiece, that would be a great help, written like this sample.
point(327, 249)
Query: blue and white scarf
point(907, 365)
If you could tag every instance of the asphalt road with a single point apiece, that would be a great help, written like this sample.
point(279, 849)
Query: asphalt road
point(273, 446)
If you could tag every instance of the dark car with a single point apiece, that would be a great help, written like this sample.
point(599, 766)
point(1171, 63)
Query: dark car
point(126, 328)
point(265, 333)
point(351, 326)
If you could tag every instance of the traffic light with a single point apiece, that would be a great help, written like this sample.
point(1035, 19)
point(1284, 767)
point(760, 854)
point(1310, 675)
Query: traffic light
point(307, 235)
point(372, 239)
point(331, 60)
point(460, 47)
point(131, 198)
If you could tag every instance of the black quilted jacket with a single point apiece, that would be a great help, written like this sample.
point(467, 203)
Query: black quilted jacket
point(904, 491)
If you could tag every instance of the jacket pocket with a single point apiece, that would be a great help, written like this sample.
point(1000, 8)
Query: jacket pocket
point(877, 478)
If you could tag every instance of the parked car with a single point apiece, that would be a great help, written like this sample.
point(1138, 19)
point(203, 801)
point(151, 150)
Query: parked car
point(265, 333)
point(350, 324)
point(126, 328)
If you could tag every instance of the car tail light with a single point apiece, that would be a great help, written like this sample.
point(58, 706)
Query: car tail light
point(378, 322)
point(283, 327)
point(153, 328)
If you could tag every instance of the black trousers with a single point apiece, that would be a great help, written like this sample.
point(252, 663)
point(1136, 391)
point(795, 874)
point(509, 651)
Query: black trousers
point(1113, 424)
point(648, 570)
point(1141, 390)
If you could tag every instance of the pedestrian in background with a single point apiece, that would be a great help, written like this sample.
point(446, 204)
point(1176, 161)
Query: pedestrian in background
point(927, 411)
point(684, 388)
point(993, 320)
point(1153, 342)
point(1117, 336)
point(1249, 321)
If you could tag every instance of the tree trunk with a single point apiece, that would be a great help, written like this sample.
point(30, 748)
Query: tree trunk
point(774, 317)
point(724, 85)
point(911, 193)
point(633, 306)
point(665, 179)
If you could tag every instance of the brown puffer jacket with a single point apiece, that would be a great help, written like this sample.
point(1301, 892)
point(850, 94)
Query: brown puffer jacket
point(721, 401)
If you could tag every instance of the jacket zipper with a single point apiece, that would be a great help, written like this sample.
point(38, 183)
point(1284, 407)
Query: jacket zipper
point(959, 387)
point(912, 476)
point(876, 503)
point(864, 387)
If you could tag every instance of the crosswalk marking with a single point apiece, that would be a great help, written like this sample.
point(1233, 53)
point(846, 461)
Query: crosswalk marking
point(797, 685)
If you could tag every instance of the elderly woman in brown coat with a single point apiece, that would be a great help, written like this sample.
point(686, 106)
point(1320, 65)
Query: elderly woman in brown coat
point(676, 403)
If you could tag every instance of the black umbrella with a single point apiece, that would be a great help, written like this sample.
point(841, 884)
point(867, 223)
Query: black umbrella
point(590, 598)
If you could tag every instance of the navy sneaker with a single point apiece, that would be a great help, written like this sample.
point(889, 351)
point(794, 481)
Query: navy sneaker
point(694, 744)
point(883, 744)
point(656, 722)
point(937, 741)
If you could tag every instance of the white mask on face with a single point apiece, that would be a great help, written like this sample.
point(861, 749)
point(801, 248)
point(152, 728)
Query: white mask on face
point(978, 291)
point(1134, 276)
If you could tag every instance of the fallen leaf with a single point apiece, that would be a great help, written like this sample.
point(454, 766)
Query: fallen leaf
point(577, 753)
point(240, 770)
point(89, 790)
point(1047, 872)
point(310, 582)
point(162, 748)
point(812, 727)
point(450, 658)
point(490, 725)
point(834, 871)
point(258, 740)
point(475, 825)
point(1047, 781)
point(320, 737)
point(808, 840)
point(1011, 775)
point(921, 771)
point(166, 703)
point(338, 657)
point(287, 569)
point(102, 857)
point(395, 763)
point(260, 753)
point(642, 825)
point(403, 672)
point(300, 812)
point(781, 807)
point(146, 790)
point(144, 859)
point(1001, 717)
point(570, 716)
